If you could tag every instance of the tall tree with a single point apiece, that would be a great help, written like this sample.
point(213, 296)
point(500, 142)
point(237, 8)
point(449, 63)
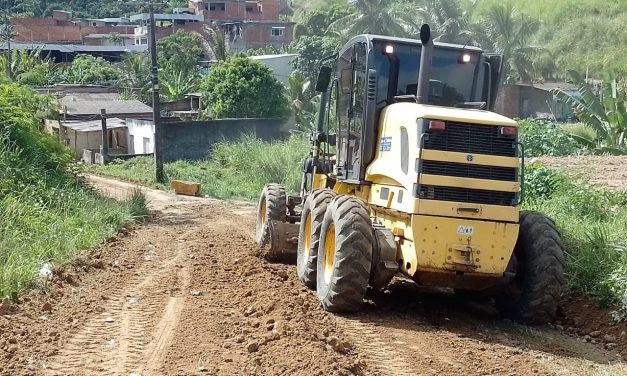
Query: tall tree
point(135, 75)
point(510, 32)
point(385, 17)
point(450, 21)
point(244, 88)
point(180, 51)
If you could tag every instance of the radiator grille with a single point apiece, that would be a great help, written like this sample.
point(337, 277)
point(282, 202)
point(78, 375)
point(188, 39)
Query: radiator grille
point(474, 196)
point(470, 138)
point(468, 171)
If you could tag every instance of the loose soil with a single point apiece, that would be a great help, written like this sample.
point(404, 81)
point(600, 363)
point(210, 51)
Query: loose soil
point(607, 171)
point(185, 294)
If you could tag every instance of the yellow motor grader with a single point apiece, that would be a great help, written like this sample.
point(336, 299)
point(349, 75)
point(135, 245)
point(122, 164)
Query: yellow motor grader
point(411, 173)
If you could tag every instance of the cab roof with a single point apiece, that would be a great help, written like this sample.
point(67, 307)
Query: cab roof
point(370, 38)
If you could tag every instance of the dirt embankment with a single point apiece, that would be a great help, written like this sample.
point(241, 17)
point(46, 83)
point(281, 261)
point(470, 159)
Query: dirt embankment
point(185, 295)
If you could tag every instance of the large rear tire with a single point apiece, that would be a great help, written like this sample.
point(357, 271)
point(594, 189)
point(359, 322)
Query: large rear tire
point(309, 235)
point(272, 207)
point(344, 255)
point(539, 264)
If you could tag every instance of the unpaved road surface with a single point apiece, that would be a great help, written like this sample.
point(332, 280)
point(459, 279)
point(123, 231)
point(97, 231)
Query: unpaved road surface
point(184, 294)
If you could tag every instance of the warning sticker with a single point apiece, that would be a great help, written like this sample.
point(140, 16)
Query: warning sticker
point(386, 143)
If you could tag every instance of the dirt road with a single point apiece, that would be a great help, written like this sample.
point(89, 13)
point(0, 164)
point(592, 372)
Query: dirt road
point(184, 294)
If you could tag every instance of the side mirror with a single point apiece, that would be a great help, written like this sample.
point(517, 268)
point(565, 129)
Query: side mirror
point(324, 78)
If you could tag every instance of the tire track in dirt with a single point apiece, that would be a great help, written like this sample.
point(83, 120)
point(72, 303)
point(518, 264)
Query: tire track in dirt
point(121, 339)
point(385, 358)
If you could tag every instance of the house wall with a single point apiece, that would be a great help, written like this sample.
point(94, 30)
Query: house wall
point(280, 66)
point(138, 130)
point(526, 101)
point(47, 30)
point(79, 141)
point(83, 140)
point(237, 10)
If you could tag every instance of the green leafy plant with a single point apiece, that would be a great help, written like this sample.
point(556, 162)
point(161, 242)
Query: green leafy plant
point(546, 138)
point(605, 115)
point(87, 69)
point(241, 87)
point(180, 52)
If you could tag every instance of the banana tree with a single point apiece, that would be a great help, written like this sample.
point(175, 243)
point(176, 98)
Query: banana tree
point(605, 114)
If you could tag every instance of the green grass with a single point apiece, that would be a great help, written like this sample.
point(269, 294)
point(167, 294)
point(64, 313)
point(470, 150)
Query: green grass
point(48, 215)
point(236, 170)
point(593, 223)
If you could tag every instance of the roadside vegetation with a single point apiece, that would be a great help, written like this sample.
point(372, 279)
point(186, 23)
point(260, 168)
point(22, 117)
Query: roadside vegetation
point(48, 215)
point(235, 170)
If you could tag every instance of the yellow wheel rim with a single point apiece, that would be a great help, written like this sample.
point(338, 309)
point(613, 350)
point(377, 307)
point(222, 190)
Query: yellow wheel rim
point(307, 237)
point(329, 253)
point(262, 213)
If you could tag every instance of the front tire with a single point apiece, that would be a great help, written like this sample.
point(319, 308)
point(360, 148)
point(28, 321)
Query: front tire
point(309, 235)
point(344, 255)
point(272, 207)
point(539, 260)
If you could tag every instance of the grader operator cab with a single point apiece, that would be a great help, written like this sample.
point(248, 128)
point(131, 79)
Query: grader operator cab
point(411, 174)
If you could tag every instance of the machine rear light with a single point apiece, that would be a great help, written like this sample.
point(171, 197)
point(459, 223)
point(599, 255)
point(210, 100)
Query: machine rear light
point(437, 125)
point(508, 131)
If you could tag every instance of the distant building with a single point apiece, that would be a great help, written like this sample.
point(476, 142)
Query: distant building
point(247, 24)
point(535, 101)
point(80, 127)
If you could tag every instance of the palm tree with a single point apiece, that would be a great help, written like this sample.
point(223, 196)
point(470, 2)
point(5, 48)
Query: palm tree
point(509, 32)
point(606, 116)
point(214, 43)
point(302, 104)
point(450, 22)
point(135, 73)
point(176, 85)
point(385, 17)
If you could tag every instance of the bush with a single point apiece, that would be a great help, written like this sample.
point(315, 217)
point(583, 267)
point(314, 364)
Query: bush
point(243, 88)
point(545, 138)
point(593, 222)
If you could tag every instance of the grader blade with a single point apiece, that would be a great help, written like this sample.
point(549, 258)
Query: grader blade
point(283, 242)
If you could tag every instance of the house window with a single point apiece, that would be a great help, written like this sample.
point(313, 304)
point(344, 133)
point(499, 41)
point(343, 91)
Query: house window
point(217, 7)
point(249, 8)
point(278, 31)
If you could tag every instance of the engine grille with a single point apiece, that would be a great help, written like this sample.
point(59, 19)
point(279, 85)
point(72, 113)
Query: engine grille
point(468, 170)
point(470, 138)
point(474, 196)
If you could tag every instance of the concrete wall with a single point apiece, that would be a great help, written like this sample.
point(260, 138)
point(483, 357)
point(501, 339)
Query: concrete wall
point(525, 101)
point(193, 140)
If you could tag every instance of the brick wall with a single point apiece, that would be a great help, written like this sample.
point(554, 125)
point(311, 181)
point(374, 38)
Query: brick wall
point(194, 140)
point(55, 33)
point(260, 34)
point(239, 10)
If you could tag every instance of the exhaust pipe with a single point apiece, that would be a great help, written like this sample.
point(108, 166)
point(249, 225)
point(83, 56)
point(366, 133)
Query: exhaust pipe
point(422, 96)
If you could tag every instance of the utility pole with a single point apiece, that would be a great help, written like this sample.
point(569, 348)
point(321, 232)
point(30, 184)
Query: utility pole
point(104, 150)
point(156, 108)
point(8, 34)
